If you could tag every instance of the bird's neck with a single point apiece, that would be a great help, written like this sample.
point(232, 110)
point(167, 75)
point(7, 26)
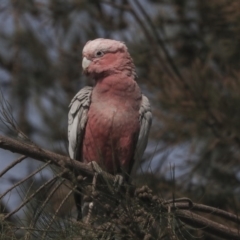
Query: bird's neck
point(117, 86)
point(120, 66)
point(127, 67)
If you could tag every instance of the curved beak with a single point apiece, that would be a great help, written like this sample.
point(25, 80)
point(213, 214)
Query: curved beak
point(85, 63)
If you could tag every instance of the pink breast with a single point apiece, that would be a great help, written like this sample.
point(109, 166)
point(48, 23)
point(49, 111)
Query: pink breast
point(110, 137)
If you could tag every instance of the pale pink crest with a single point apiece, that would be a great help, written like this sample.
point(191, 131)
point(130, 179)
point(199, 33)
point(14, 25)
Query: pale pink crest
point(105, 45)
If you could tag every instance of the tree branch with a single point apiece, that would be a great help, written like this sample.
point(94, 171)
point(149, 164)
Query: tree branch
point(207, 225)
point(43, 155)
point(186, 216)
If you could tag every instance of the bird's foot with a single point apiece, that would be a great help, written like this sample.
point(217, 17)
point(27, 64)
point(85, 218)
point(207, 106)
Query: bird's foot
point(118, 182)
point(96, 167)
point(97, 171)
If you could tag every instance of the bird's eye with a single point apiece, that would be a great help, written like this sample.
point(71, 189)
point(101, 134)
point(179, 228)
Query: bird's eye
point(99, 54)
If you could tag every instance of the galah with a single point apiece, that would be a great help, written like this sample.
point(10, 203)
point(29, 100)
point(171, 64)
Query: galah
point(109, 123)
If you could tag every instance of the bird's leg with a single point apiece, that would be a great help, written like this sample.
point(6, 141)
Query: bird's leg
point(78, 200)
point(118, 180)
point(98, 171)
point(90, 208)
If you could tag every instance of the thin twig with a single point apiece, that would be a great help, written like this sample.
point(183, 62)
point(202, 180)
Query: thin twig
point(12, 165)
point(39, 211)
point(8, 120)
point(58, 209)
point(33, 195)
point(25, 179)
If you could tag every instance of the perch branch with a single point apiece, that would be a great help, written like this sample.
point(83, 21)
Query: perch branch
point(35, 152)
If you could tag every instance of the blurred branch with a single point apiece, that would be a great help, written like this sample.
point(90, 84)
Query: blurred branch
point(125, 7)
point(207, 225)
point(147, 33)
point(206, 209)
point(159, 40)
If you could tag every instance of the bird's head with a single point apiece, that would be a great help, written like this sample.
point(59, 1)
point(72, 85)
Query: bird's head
point(104, 57)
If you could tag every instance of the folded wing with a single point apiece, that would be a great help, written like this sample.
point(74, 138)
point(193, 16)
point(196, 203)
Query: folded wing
point(77, 119)
point(145, 118)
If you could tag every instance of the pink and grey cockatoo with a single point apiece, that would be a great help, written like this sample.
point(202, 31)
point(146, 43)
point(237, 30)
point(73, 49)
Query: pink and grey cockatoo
point(109, 123)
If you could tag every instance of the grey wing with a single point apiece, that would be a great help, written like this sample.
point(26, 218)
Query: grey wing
point(145, 118)
point(77, 119)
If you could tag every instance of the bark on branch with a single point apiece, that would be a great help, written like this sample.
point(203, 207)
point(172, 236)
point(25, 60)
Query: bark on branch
point(33, 151)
